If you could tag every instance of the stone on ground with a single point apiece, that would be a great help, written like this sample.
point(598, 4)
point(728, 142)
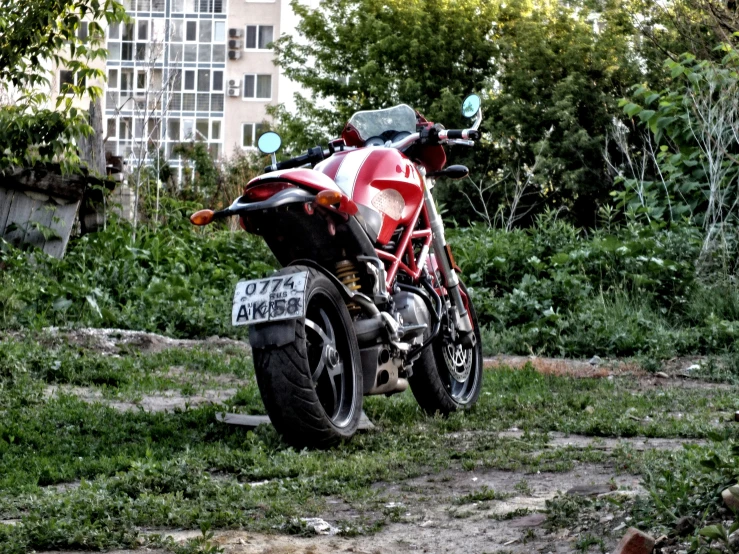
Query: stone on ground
point(635, 542)
point(731, 497)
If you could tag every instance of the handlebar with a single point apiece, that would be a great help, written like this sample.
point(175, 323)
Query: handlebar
point(453, 136)
point(313, 156)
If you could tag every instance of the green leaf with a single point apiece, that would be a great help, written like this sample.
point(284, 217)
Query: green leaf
point(714, 532)
point(632, 109)
point(61, 304)
point(677, 70)
point(645, 115)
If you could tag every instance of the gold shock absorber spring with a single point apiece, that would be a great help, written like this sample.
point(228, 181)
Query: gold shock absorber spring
point(347, 273)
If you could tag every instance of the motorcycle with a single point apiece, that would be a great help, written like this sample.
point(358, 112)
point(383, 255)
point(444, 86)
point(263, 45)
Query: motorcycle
point(368, 300)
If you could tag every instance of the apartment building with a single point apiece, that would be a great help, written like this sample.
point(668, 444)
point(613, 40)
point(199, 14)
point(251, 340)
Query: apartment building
point(184, 70)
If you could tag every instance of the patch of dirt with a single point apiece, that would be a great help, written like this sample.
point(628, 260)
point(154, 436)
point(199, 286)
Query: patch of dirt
point(166, 401)
point(187, 377)
point(566, 366)
point(429, 517)
point(679, 380)
point(111, 341)
point(561, 440)
point(676, 372)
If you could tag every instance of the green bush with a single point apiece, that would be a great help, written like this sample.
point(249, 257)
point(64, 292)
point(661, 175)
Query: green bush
point(174, 279)
point(551, 289)
point(554, 289)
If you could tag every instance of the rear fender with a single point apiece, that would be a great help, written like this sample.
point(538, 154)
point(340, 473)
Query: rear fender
point(276, 334)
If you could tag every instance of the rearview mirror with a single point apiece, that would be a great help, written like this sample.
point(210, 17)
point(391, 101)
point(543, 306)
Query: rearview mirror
point(471, 105)
point(269, 142)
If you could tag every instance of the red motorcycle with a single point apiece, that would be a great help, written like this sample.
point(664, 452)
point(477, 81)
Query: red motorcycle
point(368, 300)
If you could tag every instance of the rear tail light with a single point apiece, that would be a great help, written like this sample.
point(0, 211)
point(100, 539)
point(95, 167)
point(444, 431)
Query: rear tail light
point(264, 191)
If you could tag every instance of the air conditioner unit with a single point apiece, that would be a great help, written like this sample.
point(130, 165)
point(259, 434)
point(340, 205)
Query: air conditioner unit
point(234, 54)
point(234, 43)
point(235, 33)
point(234, 83)
point(234, 91)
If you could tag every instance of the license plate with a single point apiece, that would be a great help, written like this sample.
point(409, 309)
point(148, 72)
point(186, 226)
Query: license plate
point(271, 299)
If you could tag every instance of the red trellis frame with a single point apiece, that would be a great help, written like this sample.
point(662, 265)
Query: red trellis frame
point(414, 267)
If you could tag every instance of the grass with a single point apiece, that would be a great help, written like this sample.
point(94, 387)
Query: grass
point(82, 475)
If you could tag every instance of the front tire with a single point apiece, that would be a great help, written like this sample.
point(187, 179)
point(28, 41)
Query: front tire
point(312, 387)
point(448, 377)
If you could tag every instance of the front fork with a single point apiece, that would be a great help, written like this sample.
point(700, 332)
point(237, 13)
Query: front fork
point(451, 281)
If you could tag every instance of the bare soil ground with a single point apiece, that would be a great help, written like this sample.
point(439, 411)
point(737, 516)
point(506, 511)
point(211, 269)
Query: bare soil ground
point(427, 516)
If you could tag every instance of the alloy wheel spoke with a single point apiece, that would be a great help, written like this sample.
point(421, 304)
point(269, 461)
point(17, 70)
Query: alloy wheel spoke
point(320, 332)
point(329, 328)
point(319, 370)
point(336, 406)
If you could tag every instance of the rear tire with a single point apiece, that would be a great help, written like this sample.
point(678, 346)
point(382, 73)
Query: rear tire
point(448, 377)
point(312, 387)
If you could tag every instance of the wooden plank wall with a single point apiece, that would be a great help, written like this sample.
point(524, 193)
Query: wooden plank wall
point(28, 217)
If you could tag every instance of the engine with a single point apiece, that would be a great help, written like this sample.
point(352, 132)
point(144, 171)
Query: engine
point(384, 364)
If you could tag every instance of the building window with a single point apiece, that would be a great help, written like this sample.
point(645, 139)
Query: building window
point(82, 31)
point(219, 31)
point(126, 79)
point(189, 80)
point(112, 78)
point(218, 80)
point(250, 133)
point(69, 79)
point(258, 86)
point(203, 80)
point(143, 29)
point(192, 31)
point(66, 79)
point(202, 6)
point(258, 36)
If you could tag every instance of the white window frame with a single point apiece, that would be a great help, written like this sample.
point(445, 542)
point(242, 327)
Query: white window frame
point(257, 49)
point(255, 98)
point(253, 135)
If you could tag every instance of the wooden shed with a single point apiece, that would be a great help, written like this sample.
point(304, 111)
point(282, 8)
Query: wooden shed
point(38, 206)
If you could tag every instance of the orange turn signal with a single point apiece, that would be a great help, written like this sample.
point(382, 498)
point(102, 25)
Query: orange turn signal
point(202, 217)
point(328, 198)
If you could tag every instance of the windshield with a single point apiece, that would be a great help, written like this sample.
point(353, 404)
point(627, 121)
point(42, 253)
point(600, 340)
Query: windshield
point(374, 123)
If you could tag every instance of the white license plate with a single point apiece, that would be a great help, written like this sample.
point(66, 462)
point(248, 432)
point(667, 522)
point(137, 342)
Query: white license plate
point(271, 299)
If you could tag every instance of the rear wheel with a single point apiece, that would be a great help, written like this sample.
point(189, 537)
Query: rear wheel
point(448, 376)
point(312, 387)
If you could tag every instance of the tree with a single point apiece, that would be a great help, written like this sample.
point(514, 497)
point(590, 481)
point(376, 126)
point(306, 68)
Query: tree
point(550, 73)
point(369, 54)
point(35, 39)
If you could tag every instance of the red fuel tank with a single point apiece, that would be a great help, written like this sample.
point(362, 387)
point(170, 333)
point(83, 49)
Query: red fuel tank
point(382, 179)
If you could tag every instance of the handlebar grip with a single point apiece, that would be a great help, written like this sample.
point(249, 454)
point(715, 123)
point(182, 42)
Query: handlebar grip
point(471, 134)
point(313, 156)
point(294, 162)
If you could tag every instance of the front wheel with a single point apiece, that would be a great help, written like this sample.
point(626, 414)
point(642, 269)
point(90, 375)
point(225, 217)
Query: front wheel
point(312, 387)
point(448, 376)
